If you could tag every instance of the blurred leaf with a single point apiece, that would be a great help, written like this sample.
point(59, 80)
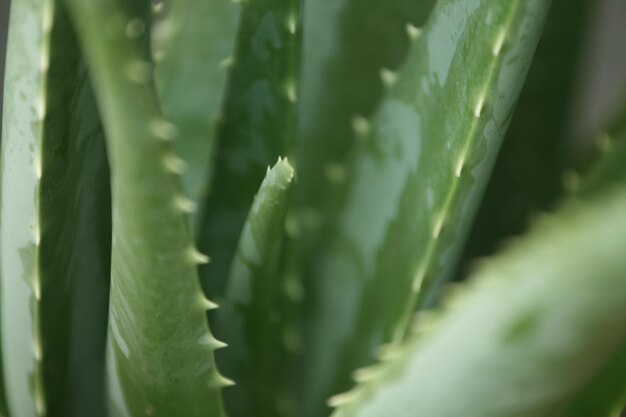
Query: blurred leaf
point(530, 328)
point(190, 42)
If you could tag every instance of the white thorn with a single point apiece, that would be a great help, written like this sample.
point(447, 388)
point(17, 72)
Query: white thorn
point(222, 381)
point(212, 342)
point(41, 107)
point(365, 374)
point(38, 169)
point(290, 91)
point(174, 164)
point(227, 62)
point(37, 289)
point(207, 304)
point(44, 62)
point(37, 233)
point(163, 129)
point(40, 405)
point(437, 227)
point(459, 165)
point(360, 125)
point(184, 204)
point(497, 46)
point(479, 106)
point(37, 351)
point(389, 77)
point(292, 23)
point(413, 31)
point(198, 257)
point(340, 399)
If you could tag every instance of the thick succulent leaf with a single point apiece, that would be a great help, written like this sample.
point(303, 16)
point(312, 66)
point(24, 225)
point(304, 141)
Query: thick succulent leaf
point(527, 176)
point(160, 358)
point(535, 324)
point(191, 41)
point(346, 45)
point(606, 393)
point(258, 126)
point(416, 180)
point(249, 318)
point(55, 239)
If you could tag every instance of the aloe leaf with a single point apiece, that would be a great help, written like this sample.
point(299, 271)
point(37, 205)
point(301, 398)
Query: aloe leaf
point(190, 43)
point(160, 358)
point(606, 393)
point(527, 176)
point(346, 44)
point(527, 317)
point(249, 318)
point(257, 127)
point(55, 237)
point(416, 180)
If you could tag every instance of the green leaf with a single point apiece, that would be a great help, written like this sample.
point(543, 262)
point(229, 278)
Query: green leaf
point(160, 358)
point(538, 320)
point(346, 44)
point(606, 393)
point(258, 126)
point(192, 42)
point(55, 218)
point(527, 177)
point(250, 317)
point(415, 181)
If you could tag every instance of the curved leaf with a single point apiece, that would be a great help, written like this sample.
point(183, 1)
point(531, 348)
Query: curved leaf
point(190, 42)
point(160, 359)
point(606, 393)
point(257, 126)
point(527, 176)
point(55, 221)
point(415, 181)
point(535, 323)
point(249, 319)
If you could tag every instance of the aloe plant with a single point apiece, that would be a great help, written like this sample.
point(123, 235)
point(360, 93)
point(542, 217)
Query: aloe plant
point(275, 195)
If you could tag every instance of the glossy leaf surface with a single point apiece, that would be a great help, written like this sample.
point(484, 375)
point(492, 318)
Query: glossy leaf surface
point(416, 179)
point(160, 359)
point(529, 171)
point(250, 318)
point(525, 318)
point(55, 222)
point(257, 127)
point(192, 42)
